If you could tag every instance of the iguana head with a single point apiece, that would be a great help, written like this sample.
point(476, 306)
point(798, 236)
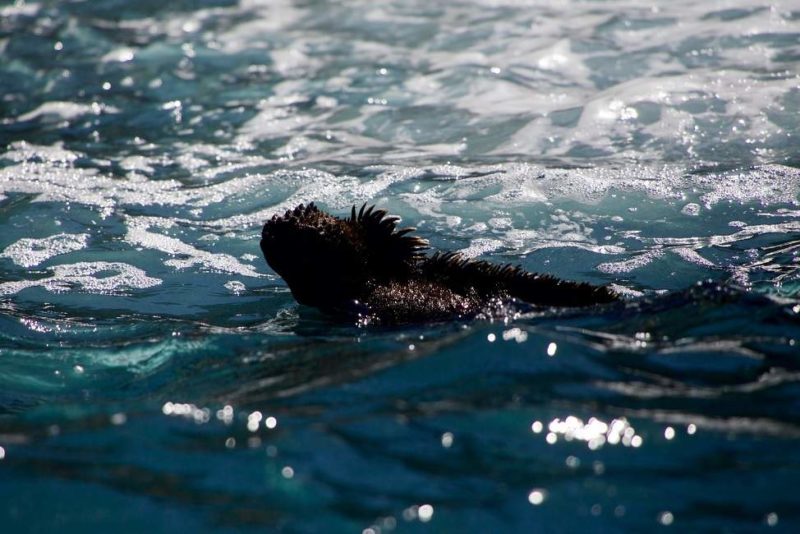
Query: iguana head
point(328, 262)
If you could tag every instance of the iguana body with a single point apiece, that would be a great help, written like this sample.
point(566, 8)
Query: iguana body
point(364, 267)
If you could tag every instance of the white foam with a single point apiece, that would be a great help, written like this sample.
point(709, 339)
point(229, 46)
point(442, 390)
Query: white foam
point(746, 232)
point(235, 286)
point(22, 151)
point(82, 277)
point(692, 209)
point(58, 111)
point(692, 256)
point(768, 184)
point(140, 235)
point(29, 252)
point(631, 264)
point(481, 246)
point(47, 173)
point(609, 119)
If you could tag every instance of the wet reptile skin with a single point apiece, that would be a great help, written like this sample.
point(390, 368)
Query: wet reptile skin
point(363, 267)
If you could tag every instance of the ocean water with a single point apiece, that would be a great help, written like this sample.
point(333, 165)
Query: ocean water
point(156, 375)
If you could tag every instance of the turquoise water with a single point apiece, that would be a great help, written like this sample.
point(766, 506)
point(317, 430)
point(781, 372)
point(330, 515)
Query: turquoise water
point(155, 374)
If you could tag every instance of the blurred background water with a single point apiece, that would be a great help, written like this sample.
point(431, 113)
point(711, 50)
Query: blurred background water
point(154, 373)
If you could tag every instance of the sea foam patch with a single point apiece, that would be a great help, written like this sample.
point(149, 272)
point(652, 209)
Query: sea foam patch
point(140, 235)
point(99, 277)
point(29, 252)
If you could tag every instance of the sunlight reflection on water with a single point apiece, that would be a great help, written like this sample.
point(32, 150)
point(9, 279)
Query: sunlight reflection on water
point(152, 366)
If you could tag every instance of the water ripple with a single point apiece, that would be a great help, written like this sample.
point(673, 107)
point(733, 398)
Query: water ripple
point(152, 365)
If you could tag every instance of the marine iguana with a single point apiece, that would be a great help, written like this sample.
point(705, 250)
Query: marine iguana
point(364, 268)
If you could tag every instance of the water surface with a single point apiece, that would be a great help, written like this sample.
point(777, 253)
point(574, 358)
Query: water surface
point(156, 374)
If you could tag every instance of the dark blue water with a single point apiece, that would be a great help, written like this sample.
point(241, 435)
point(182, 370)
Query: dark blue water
point(156, 375)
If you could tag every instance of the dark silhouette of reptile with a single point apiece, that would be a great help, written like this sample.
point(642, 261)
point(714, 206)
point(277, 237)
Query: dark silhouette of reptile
point(365, 268)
